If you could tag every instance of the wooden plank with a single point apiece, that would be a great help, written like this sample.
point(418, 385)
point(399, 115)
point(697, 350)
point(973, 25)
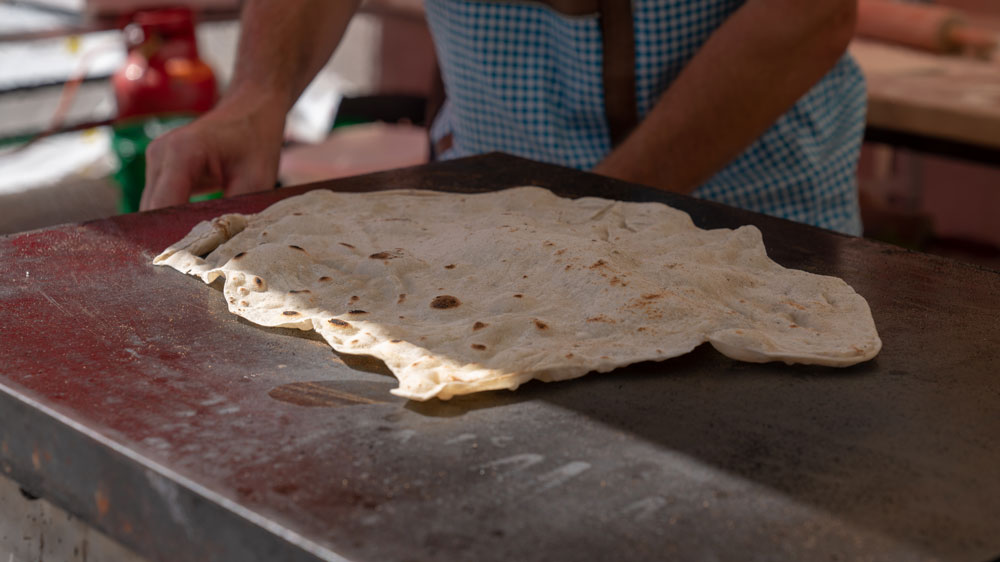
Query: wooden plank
point(936, 96)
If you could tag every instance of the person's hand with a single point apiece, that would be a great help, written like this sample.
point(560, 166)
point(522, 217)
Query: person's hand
point(234, 147)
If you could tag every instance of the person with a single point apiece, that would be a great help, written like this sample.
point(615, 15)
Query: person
point(753, 103)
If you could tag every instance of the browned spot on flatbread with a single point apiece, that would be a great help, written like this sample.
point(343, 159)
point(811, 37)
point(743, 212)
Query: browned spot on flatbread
point(541, 325)
point(795, 305)
point(225, 227)
point(479, 326)
point(294, 247)
point(290, 313)
point(598, 263)
point(387, 254)
point(478, 346)
point(601, 318)
point(652, 296)
point(560, 251)
point(445, 301)
point(346, 245)
point(325, 279)
point(297, 214)
point(402, 297)
point(259, 282)
point(569, 356)
point(355, 298)
point(518, 296)
point(298, 291)
point(339, 323)
point(239, 255)
point(244, 303)
point(450, 266)
point(395, 341)
point(357, 312)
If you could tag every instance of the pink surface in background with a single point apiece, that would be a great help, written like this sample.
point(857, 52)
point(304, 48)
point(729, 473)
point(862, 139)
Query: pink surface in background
point(962, 199)
point(358, 149)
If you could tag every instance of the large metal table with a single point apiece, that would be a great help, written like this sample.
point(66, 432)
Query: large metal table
point(132, 398)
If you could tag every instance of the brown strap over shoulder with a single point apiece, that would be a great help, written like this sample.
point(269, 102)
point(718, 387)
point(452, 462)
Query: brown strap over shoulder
point(617, 34)
point(618, 40)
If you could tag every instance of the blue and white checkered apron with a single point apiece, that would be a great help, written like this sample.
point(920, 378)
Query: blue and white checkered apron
point(524, 79)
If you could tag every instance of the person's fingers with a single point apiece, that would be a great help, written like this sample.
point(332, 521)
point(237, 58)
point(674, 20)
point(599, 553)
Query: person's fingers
point(216, 151)
point(171, 175)
point(154, 159)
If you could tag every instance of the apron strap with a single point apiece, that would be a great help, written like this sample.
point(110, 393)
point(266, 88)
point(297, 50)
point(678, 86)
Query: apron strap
point(618, 38)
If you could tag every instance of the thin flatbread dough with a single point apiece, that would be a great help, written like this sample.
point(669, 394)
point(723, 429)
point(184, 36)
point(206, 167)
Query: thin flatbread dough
point(462, 293)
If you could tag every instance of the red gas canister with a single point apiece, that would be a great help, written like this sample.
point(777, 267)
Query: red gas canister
point(163, 84)
point(163, 73)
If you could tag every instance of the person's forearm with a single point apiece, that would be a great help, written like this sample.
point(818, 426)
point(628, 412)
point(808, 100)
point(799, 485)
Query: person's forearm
point(283, 45)
point(749, 72)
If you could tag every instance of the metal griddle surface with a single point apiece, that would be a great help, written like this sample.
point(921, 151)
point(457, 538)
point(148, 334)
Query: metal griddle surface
point(131, 397)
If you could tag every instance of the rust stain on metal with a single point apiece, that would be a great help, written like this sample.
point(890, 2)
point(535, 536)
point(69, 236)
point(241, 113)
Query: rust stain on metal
point(102, 502)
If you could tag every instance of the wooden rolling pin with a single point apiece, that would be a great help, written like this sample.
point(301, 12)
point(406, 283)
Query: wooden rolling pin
point(923, 26)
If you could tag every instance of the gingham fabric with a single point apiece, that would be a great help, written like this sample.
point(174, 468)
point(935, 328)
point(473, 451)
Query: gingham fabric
point(524, 79)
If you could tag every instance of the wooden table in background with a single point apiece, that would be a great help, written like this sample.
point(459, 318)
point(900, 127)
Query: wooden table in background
point(942, 104)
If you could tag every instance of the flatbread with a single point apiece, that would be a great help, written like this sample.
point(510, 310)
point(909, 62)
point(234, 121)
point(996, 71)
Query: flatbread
point(462, 293)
